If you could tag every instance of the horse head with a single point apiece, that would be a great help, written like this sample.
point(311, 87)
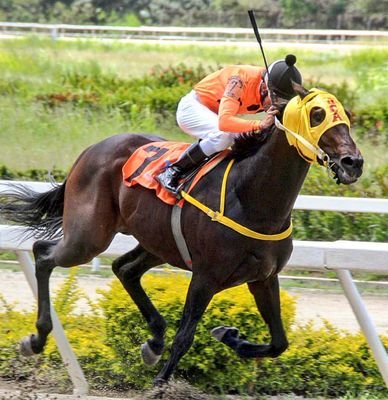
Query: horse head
point(317, 125)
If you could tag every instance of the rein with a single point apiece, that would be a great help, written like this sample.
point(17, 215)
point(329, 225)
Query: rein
point(314, 149)
point(219, 216)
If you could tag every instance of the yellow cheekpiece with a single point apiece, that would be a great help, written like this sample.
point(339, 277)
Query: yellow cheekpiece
point(296, 118)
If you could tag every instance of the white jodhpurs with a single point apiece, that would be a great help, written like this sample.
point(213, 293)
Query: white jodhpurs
point(197, 120)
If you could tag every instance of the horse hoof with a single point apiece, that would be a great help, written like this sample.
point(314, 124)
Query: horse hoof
point(148, 356)
point(159, 382)
point(220, 332)
point(26, 347)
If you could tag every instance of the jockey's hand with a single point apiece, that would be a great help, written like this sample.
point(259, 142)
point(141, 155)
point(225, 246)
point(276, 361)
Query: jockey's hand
point(269, 119)
point(272, 111)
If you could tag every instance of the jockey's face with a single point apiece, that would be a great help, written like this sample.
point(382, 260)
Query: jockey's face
point(264, 95)
point(263, 90)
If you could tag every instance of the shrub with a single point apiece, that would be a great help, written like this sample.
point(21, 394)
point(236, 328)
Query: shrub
point(159, 91)
point(371, 122)
point(106, 340)
point(209, 364)
point(324, 361)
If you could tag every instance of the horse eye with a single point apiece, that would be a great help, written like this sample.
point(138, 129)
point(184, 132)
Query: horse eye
point(317, 116)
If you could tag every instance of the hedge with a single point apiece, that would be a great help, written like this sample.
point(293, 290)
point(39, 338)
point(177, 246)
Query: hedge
point(323, 361)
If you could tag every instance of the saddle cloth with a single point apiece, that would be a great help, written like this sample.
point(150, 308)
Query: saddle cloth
point(149, 160)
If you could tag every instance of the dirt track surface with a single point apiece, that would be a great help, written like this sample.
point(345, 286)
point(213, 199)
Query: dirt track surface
point(20, 395)
point(315, 305)
point(174, 391)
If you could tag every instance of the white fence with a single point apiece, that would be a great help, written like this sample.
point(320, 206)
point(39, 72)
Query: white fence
point(190, 33)
point(341, 256)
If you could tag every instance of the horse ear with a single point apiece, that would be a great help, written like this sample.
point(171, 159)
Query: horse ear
point(350, 115)
point(299, 89)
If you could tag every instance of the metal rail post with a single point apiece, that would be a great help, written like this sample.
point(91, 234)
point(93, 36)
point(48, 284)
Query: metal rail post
point(76, 374)
point(366, 323)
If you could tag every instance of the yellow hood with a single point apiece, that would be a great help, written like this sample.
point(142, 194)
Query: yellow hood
point(296, 118)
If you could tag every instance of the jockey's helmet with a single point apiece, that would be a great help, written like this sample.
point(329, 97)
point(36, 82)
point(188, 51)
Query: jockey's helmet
point(281, 73)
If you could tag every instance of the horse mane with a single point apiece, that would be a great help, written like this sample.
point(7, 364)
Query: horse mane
point(246, 145)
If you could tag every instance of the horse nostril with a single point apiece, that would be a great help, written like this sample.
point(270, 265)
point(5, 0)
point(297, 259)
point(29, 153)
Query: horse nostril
point(351, 163)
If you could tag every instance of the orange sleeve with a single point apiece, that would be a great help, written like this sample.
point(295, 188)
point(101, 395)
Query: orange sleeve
point(229, 107)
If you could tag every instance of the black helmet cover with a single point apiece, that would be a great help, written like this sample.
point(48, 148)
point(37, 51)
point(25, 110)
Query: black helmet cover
point(281, 73)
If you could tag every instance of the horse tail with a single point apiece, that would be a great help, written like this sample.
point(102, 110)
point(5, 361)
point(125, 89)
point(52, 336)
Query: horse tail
point(40, 213)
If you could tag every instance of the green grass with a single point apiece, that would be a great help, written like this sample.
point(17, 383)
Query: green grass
point(37, 137)
point(37, 57)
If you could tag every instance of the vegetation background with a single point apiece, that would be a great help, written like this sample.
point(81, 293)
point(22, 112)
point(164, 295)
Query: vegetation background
point(323, 14)
point(58, 97)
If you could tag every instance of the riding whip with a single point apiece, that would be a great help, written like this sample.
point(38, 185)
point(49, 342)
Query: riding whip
point(251, 14)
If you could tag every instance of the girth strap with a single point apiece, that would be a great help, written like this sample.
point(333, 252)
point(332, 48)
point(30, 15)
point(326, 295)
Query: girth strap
point(219, 216)
point(178, 235)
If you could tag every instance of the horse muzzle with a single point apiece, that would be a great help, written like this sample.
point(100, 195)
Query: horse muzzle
point(347, 169)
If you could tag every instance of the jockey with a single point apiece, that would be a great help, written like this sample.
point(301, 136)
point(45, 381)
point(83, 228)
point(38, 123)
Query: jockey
point(210, 111)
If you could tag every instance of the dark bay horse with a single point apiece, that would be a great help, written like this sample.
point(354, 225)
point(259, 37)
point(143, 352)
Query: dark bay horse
point(77, 221)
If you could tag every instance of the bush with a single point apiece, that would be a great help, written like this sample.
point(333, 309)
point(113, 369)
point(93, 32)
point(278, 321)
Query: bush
point(34, 174)
point(159, 91)
point(322, 361)
point(209, 364)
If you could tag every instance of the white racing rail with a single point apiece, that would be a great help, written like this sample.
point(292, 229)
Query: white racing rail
point(161, 33)
point(340, 256)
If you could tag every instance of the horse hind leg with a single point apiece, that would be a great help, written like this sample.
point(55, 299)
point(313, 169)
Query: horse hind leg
point(129, 268)
point(44, 265)
point(48, 255)
point(267, 299)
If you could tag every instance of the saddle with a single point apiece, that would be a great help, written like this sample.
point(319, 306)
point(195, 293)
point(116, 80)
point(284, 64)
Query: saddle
point(149, 160)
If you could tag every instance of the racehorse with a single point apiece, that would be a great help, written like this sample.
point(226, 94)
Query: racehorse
point(78, 219)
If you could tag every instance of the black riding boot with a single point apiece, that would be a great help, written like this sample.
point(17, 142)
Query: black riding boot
point(189, 160)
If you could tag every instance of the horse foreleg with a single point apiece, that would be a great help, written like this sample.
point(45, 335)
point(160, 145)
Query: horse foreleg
point(44, 266)
point(267, 299)
point(129, 268)
point(198, 298)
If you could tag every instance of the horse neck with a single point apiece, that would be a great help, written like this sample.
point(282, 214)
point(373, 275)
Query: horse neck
point(268, 183)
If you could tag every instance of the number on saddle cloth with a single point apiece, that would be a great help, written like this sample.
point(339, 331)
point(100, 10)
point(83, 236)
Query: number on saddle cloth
point(149, 160)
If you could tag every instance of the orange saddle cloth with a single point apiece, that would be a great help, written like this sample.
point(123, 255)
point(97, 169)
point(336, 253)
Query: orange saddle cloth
point(151, 159)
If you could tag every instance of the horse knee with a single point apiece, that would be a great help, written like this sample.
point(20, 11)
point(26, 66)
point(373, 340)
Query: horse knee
point(120, 269)
point(123, 265)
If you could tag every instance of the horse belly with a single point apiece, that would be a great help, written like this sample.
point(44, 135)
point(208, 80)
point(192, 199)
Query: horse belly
point(261, 262)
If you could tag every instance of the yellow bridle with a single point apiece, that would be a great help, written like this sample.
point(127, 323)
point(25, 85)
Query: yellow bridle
point(296, 123)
